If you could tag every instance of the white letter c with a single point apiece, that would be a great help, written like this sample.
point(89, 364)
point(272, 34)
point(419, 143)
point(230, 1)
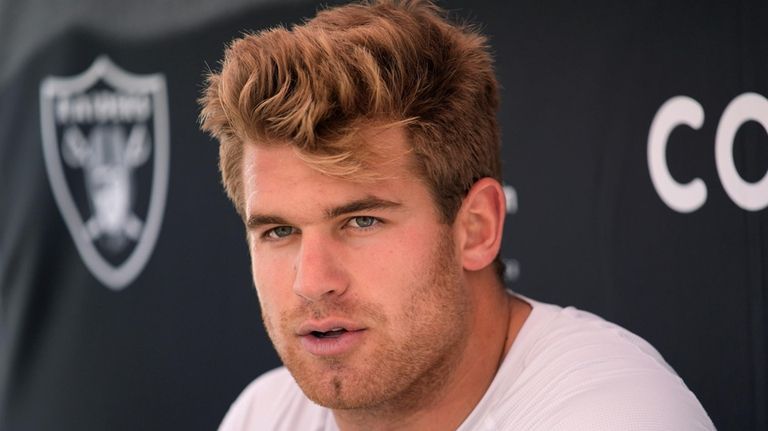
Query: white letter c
point(679, 110)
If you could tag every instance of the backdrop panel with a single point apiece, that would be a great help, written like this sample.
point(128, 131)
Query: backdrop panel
point(635, 147)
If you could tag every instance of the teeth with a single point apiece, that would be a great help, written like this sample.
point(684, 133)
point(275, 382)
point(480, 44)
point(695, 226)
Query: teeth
point(332, 333)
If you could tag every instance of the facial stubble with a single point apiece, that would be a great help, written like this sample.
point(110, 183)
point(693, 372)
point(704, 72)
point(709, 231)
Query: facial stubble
point(402, 371)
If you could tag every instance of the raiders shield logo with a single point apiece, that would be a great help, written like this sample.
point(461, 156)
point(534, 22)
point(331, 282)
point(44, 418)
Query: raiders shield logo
point(107, 152)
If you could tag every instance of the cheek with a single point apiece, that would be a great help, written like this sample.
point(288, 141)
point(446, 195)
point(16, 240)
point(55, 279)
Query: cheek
point(414, 249)
point(393, 266)
point(273, 281)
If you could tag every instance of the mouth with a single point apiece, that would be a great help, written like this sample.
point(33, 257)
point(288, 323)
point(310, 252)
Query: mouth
point(327, 328)
point(333, 333)
point(331, 338)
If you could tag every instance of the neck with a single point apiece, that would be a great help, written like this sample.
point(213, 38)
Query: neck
point(464, 378)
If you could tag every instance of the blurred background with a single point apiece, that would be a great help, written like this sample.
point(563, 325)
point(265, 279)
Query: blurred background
point(635, 145)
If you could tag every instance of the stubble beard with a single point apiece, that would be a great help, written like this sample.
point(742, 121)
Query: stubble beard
point(401, 372)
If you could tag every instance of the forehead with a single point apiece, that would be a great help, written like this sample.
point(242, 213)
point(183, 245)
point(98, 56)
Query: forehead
point(276, 178)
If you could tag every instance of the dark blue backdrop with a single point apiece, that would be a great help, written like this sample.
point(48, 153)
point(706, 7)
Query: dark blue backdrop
point(581, 85)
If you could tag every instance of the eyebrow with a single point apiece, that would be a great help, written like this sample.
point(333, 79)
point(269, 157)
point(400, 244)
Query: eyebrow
point(364, 204)
point(257, 220)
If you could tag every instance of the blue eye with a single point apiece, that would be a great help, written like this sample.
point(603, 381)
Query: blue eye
point(279, 232)
point(363, 221)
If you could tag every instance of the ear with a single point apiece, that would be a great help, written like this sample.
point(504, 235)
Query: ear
point(480, 223)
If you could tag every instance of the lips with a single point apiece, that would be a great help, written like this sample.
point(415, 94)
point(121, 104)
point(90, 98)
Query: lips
point(333, 333)
point(327, 328)
point(330, 337)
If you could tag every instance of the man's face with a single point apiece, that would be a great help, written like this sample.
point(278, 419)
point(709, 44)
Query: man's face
point(359, 283)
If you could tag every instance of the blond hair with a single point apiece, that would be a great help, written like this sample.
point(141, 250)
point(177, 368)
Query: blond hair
point(319, 84)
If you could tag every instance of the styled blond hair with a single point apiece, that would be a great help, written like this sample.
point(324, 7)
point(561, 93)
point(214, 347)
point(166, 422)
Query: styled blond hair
point(382, 62)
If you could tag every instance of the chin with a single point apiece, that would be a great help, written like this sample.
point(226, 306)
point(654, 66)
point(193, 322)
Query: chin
point(337, 387)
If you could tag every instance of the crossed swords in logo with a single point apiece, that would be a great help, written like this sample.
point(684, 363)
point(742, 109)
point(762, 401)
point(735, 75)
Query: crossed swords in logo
point(108, 159)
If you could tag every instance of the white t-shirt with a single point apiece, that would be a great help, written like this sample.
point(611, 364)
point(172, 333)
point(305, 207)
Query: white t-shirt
point(567, 370)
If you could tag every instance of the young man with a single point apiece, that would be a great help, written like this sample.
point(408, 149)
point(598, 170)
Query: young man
point(362, 151)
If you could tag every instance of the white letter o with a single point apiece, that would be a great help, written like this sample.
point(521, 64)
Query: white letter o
point(746, 107)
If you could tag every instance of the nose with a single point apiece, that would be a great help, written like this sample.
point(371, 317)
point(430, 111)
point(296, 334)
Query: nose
point(319, 274)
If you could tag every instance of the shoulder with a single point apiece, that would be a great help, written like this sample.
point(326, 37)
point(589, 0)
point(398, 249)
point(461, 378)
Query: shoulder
point(275, 402)
point(582, 372)
point(570, 336)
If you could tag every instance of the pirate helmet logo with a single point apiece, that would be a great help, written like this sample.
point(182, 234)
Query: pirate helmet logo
point(107, 152)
